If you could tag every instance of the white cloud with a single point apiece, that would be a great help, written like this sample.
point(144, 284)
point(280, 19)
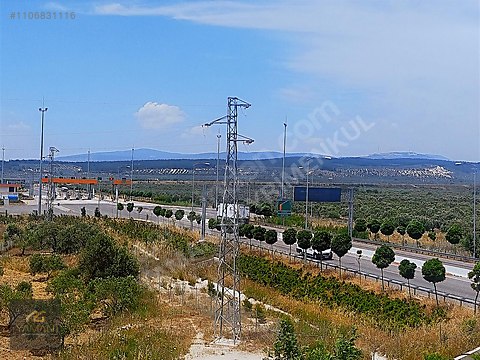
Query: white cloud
point(55, 6)
point(18, 126)
point(157, 116)
point(195, 132)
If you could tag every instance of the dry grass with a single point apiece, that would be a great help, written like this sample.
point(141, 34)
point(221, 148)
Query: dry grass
point(158, 331)
point(459, 332)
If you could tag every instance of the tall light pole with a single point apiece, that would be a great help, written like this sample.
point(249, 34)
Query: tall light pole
point(218, 165)
point(193, 178)
point(89, 187)
point(306, 197)
point(51, 183)
point(3, 160)
point(283, 162)
point(475, 213)
point(131, 176)
point(474, 208)
point(42, 110)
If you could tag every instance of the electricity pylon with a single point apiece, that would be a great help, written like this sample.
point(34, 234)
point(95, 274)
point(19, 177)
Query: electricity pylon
point(227, 305)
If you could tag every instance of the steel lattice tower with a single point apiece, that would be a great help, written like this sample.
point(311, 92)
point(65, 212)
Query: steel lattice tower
point(227, 306)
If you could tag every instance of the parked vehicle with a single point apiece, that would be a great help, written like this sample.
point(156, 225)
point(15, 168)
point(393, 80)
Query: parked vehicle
point(314, 254)
point(243, 212)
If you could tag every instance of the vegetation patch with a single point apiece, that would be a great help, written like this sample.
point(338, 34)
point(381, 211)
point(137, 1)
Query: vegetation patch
point(388, 313)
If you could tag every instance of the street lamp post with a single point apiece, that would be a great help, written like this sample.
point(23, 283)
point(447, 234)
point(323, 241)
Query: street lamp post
point(131, 177)
point(42, 110)
point(3, 160)
point(193, 178)
point(475, 213)
point(306, 197)
point(283, 161)
point(218, 165)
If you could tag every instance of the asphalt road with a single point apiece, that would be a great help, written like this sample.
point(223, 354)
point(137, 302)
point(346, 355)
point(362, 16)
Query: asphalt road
point(456, 282)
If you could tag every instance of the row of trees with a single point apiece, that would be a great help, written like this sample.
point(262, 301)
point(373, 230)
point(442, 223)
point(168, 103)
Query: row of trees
point(320, 240)
point(59, 236)
point(178, 214)
point(433, 270)
point(415, 229)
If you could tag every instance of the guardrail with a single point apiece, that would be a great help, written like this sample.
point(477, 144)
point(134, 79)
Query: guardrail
point(418, 250)
point(389, 282)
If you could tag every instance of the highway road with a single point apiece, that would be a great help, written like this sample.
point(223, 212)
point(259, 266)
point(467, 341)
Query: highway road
point(456, 282)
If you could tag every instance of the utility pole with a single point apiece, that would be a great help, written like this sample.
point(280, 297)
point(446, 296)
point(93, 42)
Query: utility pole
point(42, 110)
point(131, 176)
point(89, 187)
point(283, 162)
point(204, 211)
point(3, 160)
point(350, 212)
point(475, 213)
point(51, 183)
point(218, 165)
point(306, 197)
point(227, 306)
point(193, 178)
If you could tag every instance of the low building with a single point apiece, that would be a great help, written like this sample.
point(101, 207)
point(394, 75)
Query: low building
point(9, 192)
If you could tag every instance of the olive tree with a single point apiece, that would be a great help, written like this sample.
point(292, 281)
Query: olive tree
point(415, 230)
point(374, 227)
point(271, 237)
point(179, 214)
point(433, 271)
point(130, 207)
point(341, 243)
point(168, 213)
point(45, 264)
point(259, 233)
point(304, 241)
point(382, 258)
point(157, 210)
point(321, 241)
point(248, 232)
point(289, 237)
point(191, 217)
point(387, 229)
point(454, 234)
point(360, 225)
point(407, 271)
point(474, 275)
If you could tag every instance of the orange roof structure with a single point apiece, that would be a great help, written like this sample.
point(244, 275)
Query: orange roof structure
point(70, 181)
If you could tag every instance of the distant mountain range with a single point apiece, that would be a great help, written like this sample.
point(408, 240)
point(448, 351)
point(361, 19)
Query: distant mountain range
point(404, 155)
point(152, 154)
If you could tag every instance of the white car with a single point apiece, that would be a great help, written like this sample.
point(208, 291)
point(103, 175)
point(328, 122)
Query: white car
point(311, 253)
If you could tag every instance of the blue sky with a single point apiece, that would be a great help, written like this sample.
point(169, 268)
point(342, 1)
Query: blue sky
point(351, 77)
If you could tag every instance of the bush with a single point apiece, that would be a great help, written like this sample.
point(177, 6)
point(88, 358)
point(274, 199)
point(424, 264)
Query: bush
point(260, 313)
point(45, 264)
point(435, 356)
point(247, 305)
point(102, 258)
point(117, 293)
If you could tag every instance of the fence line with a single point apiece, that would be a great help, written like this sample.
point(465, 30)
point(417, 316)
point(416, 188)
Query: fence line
point(418, 250)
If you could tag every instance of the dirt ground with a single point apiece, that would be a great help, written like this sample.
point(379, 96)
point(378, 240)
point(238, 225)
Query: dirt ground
point(200, 349)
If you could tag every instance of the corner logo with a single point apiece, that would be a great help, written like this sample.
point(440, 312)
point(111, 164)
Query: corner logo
point(36, 316)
